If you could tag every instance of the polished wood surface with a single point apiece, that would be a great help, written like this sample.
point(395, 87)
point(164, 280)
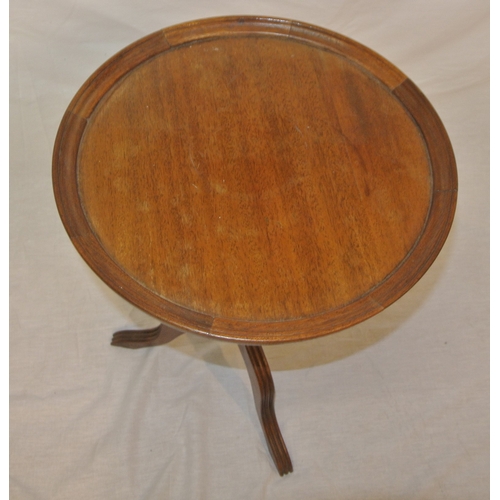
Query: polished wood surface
point(253, 179)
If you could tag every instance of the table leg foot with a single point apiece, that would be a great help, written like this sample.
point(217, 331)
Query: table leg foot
point(135, 339)
point(263, 390)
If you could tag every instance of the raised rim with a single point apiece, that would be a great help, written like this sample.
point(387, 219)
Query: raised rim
point(416, 263)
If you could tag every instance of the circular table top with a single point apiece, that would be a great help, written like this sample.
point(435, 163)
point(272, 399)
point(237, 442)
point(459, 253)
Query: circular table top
point(254, 179)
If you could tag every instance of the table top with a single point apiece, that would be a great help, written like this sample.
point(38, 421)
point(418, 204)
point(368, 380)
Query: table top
point(254, 179)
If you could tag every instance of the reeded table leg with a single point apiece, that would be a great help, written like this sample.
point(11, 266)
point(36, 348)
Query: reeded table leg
point(135, 339)
point(263, 391)
point(258, 371)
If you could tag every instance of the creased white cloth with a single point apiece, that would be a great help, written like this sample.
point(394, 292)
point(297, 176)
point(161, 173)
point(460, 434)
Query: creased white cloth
point(397, 407)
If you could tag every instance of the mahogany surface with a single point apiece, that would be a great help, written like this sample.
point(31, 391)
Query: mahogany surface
point(253, 179)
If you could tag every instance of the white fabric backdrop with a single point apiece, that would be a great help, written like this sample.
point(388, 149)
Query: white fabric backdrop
point(396, 407)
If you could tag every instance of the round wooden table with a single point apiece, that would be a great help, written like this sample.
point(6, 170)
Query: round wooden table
point(255, 180)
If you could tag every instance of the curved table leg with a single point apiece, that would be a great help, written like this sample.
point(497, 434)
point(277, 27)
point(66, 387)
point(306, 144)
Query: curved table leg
point(263, 391)
point(258, 371)
point(135, 339)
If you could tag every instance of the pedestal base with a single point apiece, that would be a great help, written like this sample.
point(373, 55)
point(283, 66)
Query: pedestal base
point(260, 378)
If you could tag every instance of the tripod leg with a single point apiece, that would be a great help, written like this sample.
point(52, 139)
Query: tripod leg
point(135, 339)
point(263, 390)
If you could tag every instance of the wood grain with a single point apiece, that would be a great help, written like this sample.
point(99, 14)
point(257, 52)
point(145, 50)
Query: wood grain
point(254, 179)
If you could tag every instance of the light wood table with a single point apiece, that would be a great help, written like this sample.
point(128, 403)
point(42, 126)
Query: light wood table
point(254, 180)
